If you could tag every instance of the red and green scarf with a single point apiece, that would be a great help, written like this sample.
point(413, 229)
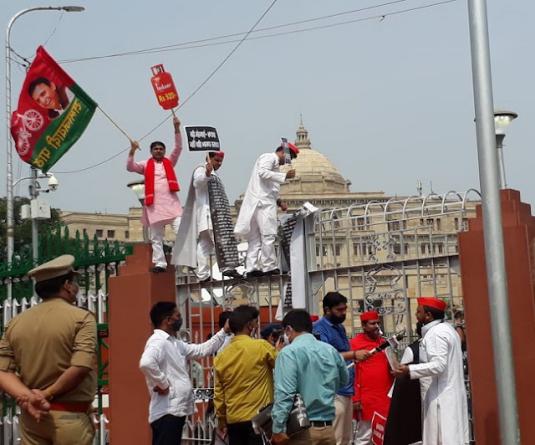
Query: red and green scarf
point(149, 179)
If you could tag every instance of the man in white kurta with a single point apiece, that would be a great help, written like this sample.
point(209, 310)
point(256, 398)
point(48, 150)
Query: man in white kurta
point(444, 403)
point(257, 220)
point(195, 241)
point(166, 208)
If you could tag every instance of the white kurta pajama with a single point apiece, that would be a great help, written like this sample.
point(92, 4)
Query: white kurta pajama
point(257, 220)
point(444, 404)
point(195, 241)
point(166, 208)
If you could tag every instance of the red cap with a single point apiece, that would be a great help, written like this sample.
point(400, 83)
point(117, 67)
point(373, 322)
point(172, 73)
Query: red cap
point(314, 318)
point(219, 153)
point(370, 315)
point(293, 148)
point(433, 302)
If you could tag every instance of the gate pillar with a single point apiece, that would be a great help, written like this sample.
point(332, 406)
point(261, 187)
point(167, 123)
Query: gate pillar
point(131, 296)
point(519, 241)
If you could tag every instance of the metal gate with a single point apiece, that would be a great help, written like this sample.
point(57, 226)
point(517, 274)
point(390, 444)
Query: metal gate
point(381, 255)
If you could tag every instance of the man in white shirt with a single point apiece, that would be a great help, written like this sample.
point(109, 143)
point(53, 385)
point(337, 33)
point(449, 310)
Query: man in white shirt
point(195, 238)
point(444, 404)
point(257, 220)
point(164, 364)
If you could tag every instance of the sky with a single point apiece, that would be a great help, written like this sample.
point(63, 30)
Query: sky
point(388, 100)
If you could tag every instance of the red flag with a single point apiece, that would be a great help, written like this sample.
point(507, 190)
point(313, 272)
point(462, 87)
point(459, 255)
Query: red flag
point(52, 113)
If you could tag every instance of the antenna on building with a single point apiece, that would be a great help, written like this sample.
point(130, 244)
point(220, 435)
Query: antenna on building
point(419, 188)
point(431, 192)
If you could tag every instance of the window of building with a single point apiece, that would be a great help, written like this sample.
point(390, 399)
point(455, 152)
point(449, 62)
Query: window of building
point(439, 223)
point(337, 249)
point(111, 233)
point(126, 234)
point(84, 232)
point(99, 233)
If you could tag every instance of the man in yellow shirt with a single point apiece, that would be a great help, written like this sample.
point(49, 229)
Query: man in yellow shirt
point(243, 378)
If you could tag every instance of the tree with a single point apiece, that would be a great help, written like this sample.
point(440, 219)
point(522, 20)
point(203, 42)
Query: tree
point(23, 227)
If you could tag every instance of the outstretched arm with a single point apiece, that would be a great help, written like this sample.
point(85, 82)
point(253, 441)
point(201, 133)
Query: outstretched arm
point(131, 165)
point(175, 154)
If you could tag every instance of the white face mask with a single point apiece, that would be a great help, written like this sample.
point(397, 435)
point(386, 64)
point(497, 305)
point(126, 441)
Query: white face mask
point(286, 339)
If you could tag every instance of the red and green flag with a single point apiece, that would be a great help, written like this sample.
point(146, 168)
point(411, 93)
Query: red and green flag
point(52, 113)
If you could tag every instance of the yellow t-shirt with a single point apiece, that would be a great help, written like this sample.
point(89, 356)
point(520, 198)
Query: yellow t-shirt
point(243, 379)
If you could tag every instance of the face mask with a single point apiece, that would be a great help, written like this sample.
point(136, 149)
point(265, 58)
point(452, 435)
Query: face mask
point(337, 320)
point(177, 324)
point(286, 339)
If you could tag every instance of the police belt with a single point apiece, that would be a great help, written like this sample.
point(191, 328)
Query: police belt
point(71, 407)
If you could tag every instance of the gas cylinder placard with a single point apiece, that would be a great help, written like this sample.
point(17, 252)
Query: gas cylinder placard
point(164, 88)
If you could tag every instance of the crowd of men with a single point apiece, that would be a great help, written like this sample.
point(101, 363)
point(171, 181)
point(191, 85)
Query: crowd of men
point(299, 364)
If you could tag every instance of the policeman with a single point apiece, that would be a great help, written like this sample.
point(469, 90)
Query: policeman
point(48, 360)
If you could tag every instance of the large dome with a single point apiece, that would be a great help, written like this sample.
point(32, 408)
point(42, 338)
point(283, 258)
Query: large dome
point(314, 173)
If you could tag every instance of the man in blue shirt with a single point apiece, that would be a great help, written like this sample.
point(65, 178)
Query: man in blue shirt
point(330, 329)
point(312, 369)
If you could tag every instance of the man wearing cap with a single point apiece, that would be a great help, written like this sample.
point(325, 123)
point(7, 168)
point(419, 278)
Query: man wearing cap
point(372, 378)
point(444, 405)
point(195, 238)
point(257, 220)
point(50, 350)
point(161, 206)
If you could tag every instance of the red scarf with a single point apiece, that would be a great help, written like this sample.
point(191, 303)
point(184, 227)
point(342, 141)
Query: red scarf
point(149, 179)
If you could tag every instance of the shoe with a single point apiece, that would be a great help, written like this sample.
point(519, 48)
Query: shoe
point(273, 272)
point(158, 269)
point(255, 273)
point(232, 273)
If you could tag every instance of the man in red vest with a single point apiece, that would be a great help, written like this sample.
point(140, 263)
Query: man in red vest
point(373, 379)
point(161, 206)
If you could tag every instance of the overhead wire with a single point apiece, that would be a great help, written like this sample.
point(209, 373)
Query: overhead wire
point(201, 85)
point(193, 43)
point(380, 16)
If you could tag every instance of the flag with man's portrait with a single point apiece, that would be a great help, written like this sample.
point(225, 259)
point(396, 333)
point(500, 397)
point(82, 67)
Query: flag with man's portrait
point(52, 113)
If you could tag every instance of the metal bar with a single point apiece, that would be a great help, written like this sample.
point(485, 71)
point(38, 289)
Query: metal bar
point(492, 223)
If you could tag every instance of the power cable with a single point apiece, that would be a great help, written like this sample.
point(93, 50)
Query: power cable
point(331, 25)
point(201, 85)
point(177, 46)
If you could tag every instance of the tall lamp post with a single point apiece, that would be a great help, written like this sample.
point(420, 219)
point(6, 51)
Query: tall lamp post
point(9, 145)
point(502, 119)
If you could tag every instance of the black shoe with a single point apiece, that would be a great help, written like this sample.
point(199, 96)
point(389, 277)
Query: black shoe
point(158, 269)
point(232, 273)
point(255, 273)
point(273, 272)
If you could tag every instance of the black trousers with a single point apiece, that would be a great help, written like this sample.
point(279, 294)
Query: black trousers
point(167, 430)
point(242, 433)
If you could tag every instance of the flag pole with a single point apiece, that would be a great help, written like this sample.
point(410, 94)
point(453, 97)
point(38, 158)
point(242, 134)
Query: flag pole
point(115, 123)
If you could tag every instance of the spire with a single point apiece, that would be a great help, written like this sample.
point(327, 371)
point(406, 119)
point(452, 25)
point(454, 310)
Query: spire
point(302, 141)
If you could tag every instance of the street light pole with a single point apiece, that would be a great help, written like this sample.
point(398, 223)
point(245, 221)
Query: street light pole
point(9, 145)
point(492, 224)
point(502, 119)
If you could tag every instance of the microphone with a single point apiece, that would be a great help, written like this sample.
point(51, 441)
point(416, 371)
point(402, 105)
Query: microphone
point(391, 341)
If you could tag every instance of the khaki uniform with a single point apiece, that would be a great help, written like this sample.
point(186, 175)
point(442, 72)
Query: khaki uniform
point(40, 344)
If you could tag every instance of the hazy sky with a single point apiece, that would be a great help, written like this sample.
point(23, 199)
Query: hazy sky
point(387, 100)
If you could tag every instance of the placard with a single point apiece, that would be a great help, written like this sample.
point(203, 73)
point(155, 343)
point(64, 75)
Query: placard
point(202, 138)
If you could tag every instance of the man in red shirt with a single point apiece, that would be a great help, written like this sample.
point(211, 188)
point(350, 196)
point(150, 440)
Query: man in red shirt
point(372, 378)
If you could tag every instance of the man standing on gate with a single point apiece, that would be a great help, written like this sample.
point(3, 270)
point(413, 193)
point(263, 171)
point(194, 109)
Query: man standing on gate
point(444, 405)
point(257, 220)
point(161, 206)
point(48, 353)
point(373, 379)
point(196, 224)
point(330, 329)
point(164, 365)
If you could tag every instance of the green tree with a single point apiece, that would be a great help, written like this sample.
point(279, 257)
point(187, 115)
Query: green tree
point(23, 227)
